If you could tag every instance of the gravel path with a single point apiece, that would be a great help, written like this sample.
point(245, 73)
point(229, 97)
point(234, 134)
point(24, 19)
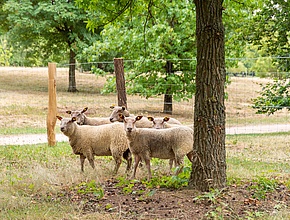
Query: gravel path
point(42, 138)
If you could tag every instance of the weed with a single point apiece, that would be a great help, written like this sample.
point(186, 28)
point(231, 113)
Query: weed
point(261, 186)
point(212, 196)
point(90, 188)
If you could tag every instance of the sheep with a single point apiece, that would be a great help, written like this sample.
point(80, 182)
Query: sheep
point(104, 140)
point(171, 143)
point(161, 123)
point(142, 123)
point(82, 119)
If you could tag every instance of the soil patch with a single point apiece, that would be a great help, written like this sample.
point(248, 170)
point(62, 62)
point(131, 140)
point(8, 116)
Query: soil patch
point(140, 202)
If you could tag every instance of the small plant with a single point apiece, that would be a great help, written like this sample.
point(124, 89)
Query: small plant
point(211, 196)
point(253, 215)
point(126, 184)
point(262, 185)
point(176, 182)
point(90, 188)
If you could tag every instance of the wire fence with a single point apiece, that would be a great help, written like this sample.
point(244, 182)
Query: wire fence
point(91, 79)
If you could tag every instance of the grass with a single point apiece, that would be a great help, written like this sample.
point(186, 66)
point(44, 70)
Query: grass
point(31, 174)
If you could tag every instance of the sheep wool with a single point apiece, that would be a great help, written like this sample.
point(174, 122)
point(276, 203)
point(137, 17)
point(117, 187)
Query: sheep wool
point(82, 119)
point(145, 143)
point(104, 140)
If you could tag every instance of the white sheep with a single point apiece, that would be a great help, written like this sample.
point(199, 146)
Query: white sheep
point(82, 119)
point(142, 123)
point(161, 123)
point(145, 143)
point(104, 140)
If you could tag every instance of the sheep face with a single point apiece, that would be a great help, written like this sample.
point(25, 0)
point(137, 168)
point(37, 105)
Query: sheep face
point(116, 110)
point(129, 122)
point(79, 115)
point(158, 123)
point(65, 124)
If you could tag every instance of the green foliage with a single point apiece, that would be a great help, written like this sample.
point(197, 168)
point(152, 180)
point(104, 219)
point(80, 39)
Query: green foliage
point(273, 97)
point(44, 32)
point(271, 29)
point(90, 188)
point(212, 196)
point(263, 185)
point(5, 51)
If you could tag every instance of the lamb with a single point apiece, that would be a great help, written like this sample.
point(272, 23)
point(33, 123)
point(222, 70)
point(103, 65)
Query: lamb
point(104, 140)
point(171, 143)
point(82, 119)
point(142, 123)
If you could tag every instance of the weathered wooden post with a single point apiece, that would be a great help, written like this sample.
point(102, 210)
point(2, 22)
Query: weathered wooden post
point(52, 108)
point(120, 82)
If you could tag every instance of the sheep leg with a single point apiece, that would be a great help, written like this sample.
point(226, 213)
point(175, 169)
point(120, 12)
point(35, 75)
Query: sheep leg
point(118, 161)
point(137, 159)
point(128, 157)
point(190, 156)
point(82, 159)
point(91, 161)
point(179, 163)
point(147, 162)
point(170, 164)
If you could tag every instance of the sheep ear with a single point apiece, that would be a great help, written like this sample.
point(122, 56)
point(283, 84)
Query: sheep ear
point(69, 112)
point(150, 118)
point(85, 109)
point(121, 116)
point(59, 117)
point(73, 119)
point(166, 118)
point(138, 117)
point(112, 106)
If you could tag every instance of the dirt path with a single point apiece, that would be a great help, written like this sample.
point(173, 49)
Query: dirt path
point(42, 138)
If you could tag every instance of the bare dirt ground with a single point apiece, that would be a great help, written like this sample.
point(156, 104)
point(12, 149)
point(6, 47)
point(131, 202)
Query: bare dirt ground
point(233, 202)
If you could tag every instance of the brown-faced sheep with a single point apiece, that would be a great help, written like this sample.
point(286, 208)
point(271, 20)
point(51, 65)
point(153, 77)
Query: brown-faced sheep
point(145, 143)
point(82, 119)
point(104, 140)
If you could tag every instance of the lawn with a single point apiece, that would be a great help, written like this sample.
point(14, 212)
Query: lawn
point(41, 182)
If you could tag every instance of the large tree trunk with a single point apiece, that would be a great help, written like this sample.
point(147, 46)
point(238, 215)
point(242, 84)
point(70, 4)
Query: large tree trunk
point(209, 166)
point(167, 107)
point(72, 72)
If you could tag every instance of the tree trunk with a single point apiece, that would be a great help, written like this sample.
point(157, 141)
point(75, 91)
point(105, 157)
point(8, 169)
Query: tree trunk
point(209, 166)
point(167, 107)
point(120, 82)
point(72, 72)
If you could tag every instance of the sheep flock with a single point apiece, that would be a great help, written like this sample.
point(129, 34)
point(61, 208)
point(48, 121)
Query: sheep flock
point(125, 136)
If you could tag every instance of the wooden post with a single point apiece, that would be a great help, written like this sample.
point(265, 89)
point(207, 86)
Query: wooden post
point(120, 82)
point(52, 108)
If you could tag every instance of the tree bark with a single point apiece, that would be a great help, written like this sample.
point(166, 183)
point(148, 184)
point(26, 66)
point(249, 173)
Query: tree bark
point(72, 72)
point(209, 166)
point(167, 107)
point(120, 82)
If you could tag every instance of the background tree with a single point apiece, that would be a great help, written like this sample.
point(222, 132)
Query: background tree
point(270, 30)
point(159, 38)
point(48, 30)
point(272, 34)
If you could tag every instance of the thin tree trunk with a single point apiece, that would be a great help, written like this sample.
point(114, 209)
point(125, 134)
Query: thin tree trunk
point(167, 107)
point(120, 81)
point(72, 72)
point(209, 166)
